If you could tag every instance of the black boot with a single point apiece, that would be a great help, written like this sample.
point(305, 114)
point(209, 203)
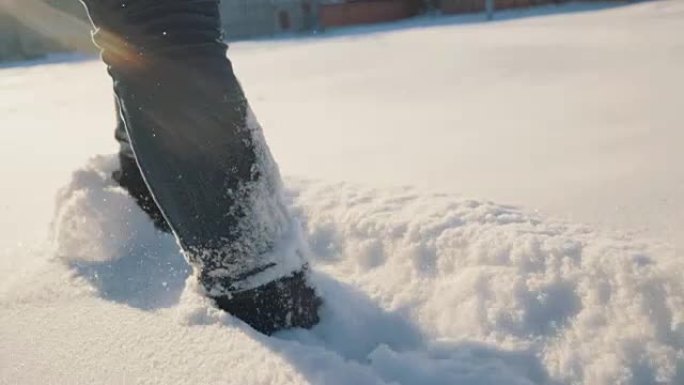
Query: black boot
point(203, 156)
point(281, 304)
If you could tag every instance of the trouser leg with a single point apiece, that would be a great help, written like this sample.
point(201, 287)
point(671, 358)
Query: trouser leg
point(130, 178)
point(203, 156)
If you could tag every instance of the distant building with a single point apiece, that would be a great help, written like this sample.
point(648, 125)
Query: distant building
point(247, 18)
point(21, 40)
point(18, 42)
point(351, 12)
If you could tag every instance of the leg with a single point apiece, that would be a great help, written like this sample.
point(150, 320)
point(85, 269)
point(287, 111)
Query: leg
point(129, 177)
point(203, 156)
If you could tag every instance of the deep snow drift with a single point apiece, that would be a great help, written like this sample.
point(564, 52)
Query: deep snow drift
point(421, 287)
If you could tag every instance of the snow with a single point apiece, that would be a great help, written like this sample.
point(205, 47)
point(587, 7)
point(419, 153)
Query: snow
point(383, 135)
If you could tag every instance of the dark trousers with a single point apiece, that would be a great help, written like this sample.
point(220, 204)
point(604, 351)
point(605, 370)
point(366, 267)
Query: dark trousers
point(184, 118)
point(194, 157)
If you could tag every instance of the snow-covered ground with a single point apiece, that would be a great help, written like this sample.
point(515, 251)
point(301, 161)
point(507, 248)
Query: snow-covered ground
point(395, 141)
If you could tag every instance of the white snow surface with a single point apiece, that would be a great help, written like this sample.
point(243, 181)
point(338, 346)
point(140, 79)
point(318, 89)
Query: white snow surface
point(382, 133)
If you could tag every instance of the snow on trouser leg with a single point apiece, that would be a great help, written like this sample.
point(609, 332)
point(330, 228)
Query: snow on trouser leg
point(204, 158)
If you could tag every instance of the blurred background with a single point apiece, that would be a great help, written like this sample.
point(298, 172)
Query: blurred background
point(30, 29)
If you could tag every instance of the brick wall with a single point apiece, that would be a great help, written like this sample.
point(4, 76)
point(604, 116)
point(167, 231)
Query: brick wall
point(366, 12)
point(469, 6)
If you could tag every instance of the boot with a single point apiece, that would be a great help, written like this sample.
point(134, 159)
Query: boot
point(203, 157)
point(285, 302)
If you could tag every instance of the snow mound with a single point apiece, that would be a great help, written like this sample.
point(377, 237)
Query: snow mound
point(419, 288)
point(594, 309)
